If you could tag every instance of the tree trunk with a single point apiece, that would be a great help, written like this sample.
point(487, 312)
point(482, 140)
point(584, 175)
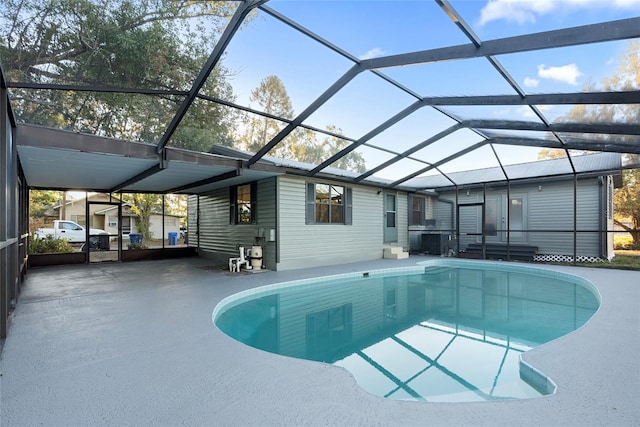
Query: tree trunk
point(633, 231)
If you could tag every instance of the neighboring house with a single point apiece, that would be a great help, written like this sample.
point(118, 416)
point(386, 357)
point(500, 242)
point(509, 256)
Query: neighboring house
point(103, 214)
point(129, 219)
point(305, 221)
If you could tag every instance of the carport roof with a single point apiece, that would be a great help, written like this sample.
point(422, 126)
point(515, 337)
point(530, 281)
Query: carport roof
point(424, 95)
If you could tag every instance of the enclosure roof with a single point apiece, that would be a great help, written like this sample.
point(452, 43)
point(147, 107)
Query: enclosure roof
point(411, 95)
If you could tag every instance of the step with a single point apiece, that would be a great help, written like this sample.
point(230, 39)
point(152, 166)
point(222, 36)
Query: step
point(393, 249)
point(395, 252)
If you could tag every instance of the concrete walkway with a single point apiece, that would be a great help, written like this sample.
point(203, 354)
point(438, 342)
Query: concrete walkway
point(134, 344)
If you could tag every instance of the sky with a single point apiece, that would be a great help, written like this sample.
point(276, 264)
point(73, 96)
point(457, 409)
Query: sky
point(368, 29)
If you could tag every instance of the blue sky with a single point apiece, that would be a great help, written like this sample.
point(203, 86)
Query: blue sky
point(379, 28)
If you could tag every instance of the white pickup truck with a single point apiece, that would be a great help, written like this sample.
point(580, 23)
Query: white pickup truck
point(68, 230)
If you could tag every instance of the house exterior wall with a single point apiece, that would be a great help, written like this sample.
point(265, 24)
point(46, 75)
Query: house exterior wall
point(76, 211)
point(108, 221)
point(548, 211)
point(171, 225)
point(304, 245)
point(218, 239)
point(438, 221)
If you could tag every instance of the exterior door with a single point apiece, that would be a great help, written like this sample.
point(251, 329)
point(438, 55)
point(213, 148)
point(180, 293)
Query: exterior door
point(493, 219)
point(105, 247)
point(495, 222)
point(390, 217)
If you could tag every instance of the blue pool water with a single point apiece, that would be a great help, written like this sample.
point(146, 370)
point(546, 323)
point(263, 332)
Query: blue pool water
point(444, 331)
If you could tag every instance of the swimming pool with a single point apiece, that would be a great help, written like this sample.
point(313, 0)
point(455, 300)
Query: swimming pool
point(445, 330)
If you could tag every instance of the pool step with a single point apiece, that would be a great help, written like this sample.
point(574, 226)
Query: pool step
point(395, 252)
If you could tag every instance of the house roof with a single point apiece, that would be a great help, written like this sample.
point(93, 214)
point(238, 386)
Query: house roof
point(447, 101)
point(586, 165)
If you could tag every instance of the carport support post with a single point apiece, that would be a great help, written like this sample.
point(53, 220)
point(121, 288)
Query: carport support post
point(484, 204)
point(87, 225)
point(509, 220)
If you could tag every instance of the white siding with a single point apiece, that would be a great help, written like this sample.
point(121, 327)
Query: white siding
point(309, 245)
point(171, 225)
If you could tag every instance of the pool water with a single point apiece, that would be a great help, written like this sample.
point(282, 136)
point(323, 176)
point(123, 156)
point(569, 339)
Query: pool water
point(431, 333)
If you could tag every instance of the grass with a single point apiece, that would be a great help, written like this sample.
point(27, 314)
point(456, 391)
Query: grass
point(624, 260)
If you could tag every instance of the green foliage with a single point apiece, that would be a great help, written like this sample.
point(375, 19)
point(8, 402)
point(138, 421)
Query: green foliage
point(627, 205)
point(144, 205)
point(41, 200)
point(49, 244)
point(625, 243)
point(141, 44)
point(626, 78)
point(303, 145)
point(137, 246)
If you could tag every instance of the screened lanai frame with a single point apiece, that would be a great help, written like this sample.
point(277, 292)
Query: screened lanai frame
point(416, 158)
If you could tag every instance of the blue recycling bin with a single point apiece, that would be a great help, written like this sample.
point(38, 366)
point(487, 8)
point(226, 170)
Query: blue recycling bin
point(173, 238)
point(135, 238)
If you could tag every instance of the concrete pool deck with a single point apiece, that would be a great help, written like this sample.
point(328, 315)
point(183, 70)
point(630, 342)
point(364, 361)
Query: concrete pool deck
point(133, 344)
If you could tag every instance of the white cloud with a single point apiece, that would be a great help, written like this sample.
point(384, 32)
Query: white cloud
point(567, 73)
point(524, 11)
point(520, 11)
point(373, 53)
point(531, 82)
point(528, 113)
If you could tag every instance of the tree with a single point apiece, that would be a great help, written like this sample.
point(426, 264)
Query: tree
point(626, 78)
point(272, 97)
point(39, 202)
point(627, 205)
point(144, 205)
point(137, 44)
point(303, 145)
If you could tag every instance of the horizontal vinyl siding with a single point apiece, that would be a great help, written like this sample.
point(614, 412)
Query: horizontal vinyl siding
point(552, 209)
point(368, 310)
point(192, 220)
point(309, 245)
point(219, 239)
point(403, 220)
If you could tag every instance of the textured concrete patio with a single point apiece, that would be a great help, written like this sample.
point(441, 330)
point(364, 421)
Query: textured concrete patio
point(134, 344)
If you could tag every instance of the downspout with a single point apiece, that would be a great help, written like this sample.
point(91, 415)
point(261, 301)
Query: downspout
point(454, 229)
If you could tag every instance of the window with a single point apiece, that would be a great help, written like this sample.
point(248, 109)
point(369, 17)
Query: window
point(516, 217)
point(242, 204)
point(327, 331)
point(420, 210)
point(417, 210)
point(328, 204)
point(79, 219)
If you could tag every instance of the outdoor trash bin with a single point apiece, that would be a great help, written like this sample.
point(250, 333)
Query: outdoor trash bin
point(104, 243)
point(135, 238)
point(173, 238)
